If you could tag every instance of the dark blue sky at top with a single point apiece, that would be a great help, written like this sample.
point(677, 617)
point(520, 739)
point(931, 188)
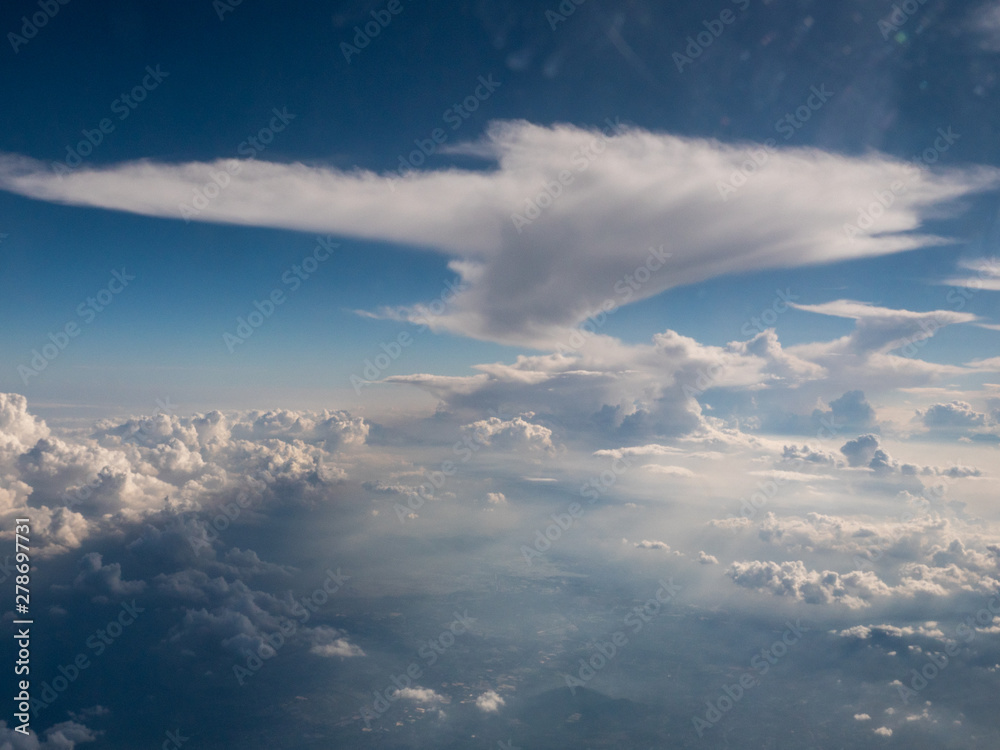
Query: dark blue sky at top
point(606, 59)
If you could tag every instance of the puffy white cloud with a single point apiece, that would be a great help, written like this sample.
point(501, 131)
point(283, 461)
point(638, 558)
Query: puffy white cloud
point(125, 470)
point(63, 736)
point(952, 553)
point(958, 414)
point(808, 454)
point(850, 412)
point(934, 580)
point(864, 632)
point(857, 631)
point(611, 389)
point(861, 450)
point(212, 432)
point(778, 363)
point(19, 430)
point(862, 717)
point(826, 532)
point(511, 434)
point(227, 602)
point(335, 430)
point(331, 642)
point(927, 555)
point(489, 702)
point(955, 552)
point(421, 695)
point(733, 523)
point(864, 452)
point(652, 544)
point(854, 589)
point(673, 386)
point(530, 283)
point(884, 732)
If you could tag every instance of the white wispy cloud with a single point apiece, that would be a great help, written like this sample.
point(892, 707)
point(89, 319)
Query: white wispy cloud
point(629, 193)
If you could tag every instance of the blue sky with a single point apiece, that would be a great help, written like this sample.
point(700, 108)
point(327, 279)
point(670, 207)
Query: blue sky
point(368, 339)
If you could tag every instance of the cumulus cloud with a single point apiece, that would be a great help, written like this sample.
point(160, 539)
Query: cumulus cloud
point(421, 695)
point(334, 430)
point(861, 632)
point(125, 470)
point(604, 387)
point(927, 555)
point(652, 544)
point(957, 414)
point(884, 732)
point(227, 602)
point(931, 552)
point(630, 393)
point(861, 450)
point(854, 589)
point(511, 434)
point(850, 412)
point(864, 632)
point(64, 736)
point(330, 642)
point(864, 451)
point(19, 430)
point(526, 284)
point(489, 702)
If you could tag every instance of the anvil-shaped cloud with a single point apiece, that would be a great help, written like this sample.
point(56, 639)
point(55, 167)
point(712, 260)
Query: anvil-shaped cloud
point(594, 206)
